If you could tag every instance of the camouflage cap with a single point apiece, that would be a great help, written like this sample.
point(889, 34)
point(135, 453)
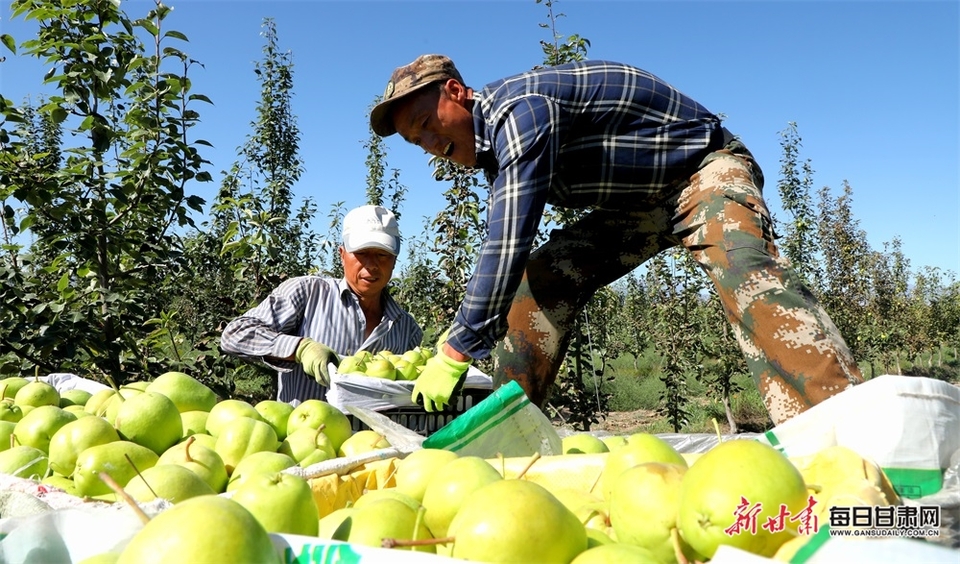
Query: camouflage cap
point(426, 69)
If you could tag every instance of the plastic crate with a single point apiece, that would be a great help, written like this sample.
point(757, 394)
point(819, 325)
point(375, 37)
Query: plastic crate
point(420, 421)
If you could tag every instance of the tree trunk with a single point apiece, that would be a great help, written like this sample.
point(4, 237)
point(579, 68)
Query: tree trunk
point(729, 411)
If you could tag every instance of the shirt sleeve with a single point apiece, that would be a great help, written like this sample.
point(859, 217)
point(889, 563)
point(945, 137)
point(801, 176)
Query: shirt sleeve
point(267, 333)
point(526, 140)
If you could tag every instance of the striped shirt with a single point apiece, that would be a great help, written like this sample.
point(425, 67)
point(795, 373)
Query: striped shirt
point(589, 134)
point(327, 311)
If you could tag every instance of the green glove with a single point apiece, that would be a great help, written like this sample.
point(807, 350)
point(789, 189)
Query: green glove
point(315, 358)
point(441, 379)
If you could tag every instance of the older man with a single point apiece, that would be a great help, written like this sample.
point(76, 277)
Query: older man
point(309, 321)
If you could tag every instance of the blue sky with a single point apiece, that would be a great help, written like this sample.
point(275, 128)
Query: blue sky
point(873, 87)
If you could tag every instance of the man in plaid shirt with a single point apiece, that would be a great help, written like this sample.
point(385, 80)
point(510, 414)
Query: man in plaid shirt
point(656, 170)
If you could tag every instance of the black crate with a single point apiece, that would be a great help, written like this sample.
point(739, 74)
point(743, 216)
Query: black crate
point(419, 420)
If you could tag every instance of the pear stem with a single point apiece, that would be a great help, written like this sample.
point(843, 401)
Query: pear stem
point(186, 448)
point(137, 470)
point(394, 543)
point(126, 497)
point(596, 481)
point(677, 551)
point(716, 428)
point(533, 459)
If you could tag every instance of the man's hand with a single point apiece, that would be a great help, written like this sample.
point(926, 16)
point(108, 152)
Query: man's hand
point(441, 379)
point(315, 357)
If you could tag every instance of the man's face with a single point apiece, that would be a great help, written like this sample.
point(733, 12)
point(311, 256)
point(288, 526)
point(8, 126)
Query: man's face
point(439, 123)
point(367, 271)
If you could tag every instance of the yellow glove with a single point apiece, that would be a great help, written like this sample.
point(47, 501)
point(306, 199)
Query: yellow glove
point(441, 379)
point(315, 358)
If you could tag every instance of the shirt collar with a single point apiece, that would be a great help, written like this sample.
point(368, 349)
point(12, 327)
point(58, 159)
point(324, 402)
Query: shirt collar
point(391, 310)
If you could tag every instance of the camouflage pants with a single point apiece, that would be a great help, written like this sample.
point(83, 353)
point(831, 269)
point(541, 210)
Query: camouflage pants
point(793, 350)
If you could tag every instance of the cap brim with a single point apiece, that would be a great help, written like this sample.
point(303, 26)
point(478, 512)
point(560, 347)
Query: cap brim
point(381, 117)
point(380, 241)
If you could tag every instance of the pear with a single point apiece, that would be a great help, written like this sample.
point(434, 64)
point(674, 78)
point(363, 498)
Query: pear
point(24, 462)
point(10, 386)
point(194, 422)
point(643, 508)
point(362, 441)
point(415, 471)
point(39, 425)
point(283, 503)
point(450, 485)
point(171, 482)
point(75, 437)
point(329, 523)
point(516, 521)
point(583, 443)
point(7, 438)
point(10, 411)
point(258, 463)
point(202, 461)
point(182, 534)
point(307, 446)
point(37, 393)
point(227, 410)
point(150, 419)
point(65, 484)
point(97, 404)
point(242, 437)
point(276, 413)
point(111, 458)
point(74, 397)
point(112, 405)
point(186, 392)
point(315, 413)
point(640, 448)
point(382, 519)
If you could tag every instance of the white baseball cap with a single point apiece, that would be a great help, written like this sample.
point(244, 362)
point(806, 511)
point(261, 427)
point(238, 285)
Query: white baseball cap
point(371, 227)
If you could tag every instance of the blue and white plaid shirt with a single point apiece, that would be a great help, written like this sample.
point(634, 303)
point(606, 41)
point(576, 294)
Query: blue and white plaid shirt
point(589, 134)
point(327, 311)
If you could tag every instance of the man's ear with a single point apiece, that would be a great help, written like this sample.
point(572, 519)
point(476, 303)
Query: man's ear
point(455, 90)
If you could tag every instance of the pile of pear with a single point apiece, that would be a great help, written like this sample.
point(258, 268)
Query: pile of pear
point(223, 465)
point(387, 364)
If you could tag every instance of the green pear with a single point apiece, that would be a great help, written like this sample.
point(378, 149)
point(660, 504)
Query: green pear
point(307, 446)
point(283, 503)
point(714, 487)
point(64, 483)
point(10, 386)
point(24, 462)
point(313, 413)
point(329, 523)
point(413, 356)
point(583, 443)
point(351, 365)
point(38, 426)
point(150, 419)
point(74, 397)
point(6, 435)
point(516, 521)
point(405, 370)
point(171, 482)
point(111, 458)
point(75, 437)
point(97, 404)
point(371, 496)
point(384, 518)
point(644, 505)
point(227, 410)
point(258, 463)
point(10, 411)
point(276, 413)
point(37, 393)
point(362, 441)
point(242, 437)
point(183, 534)
point(194, 422)
point(615, 553)
point(79, 411)
point(114, 404)
point(186, 392)
point(140, 386)
point(416, 470)
point(640, 448)
point(202, 461)
point(206, 440)
point(379, 367)
point(614, 442)
point(450, 485)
